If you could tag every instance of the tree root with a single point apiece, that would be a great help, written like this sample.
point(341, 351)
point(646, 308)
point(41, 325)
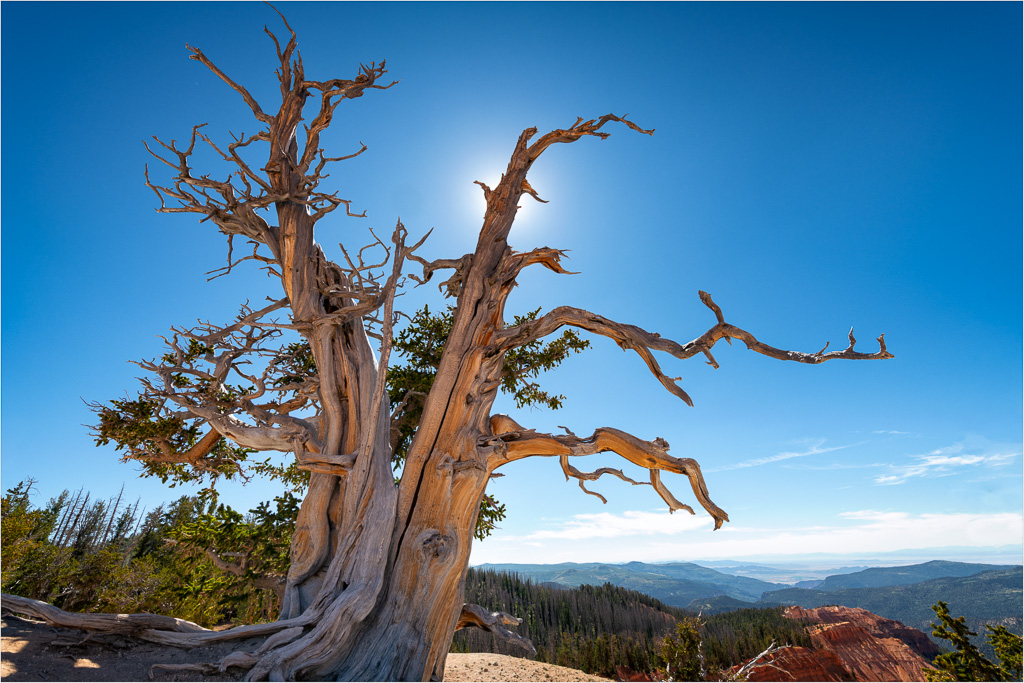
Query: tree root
point(239, 658)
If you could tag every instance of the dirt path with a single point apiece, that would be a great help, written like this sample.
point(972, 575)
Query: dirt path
point(34, 651)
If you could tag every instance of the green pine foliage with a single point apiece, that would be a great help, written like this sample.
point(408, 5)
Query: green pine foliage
point(259, 541)
point(137, 427)
point(966, 662)
point(26, 552)
point(86, 555)
point(683, 653)
point(1009, 648)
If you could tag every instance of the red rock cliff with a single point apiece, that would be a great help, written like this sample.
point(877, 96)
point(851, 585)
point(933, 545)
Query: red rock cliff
point(850, 644)
point(880, 627)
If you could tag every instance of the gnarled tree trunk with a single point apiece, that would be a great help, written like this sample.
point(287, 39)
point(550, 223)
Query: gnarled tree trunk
point(375, 588)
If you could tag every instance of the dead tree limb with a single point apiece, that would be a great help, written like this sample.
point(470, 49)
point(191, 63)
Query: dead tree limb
point(512, 442)
point(493, 622)
point(643, 342)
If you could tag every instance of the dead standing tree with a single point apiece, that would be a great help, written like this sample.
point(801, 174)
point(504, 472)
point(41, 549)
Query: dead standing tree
point(375, 587)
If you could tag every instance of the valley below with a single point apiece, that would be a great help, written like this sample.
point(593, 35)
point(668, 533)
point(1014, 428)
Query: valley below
point(860, 623)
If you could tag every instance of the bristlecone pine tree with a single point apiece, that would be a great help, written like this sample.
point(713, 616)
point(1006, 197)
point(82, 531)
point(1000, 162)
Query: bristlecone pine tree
point(375, 586)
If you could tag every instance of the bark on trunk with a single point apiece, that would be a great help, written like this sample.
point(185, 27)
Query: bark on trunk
point(396, 574)
point(414, 562)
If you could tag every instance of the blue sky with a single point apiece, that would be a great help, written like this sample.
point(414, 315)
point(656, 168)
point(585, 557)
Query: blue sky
point(814, 166)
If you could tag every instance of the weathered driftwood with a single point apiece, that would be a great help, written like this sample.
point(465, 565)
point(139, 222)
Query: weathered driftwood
point(375, 588)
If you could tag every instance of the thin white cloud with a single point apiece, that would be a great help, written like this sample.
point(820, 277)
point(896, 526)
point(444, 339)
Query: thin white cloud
point(840, 466)
point(815, 449)
point(943, 462)
point(890, 432)
point(629, 523)
point(867, 532)
point(872, 515)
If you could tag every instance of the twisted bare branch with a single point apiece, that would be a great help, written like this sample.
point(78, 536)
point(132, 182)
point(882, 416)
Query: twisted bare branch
point(369, 434)
point(239, 658)
point(743, 672)
point(332, 92)
point(510, 442)
point(136, 624)
point(503, 200)
point(550, 258)
point(453, 284)
point(644, 342)
point(199, 375)
point(578, 130)
point(571, 471)
point(195, 456)
point(232, 209)
point(257, 111)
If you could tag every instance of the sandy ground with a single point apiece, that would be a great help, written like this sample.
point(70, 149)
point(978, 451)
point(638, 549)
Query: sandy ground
point(34, 651)
point(488, 667)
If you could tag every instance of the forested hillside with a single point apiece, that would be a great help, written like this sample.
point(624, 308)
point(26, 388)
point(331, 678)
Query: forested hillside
point(600, 628)
point(594, 628)
point(735, 637)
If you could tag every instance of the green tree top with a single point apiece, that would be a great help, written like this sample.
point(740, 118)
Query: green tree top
point(966, 663)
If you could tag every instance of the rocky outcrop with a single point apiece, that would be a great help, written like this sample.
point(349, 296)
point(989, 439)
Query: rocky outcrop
point(850, 644)
point(880, 627)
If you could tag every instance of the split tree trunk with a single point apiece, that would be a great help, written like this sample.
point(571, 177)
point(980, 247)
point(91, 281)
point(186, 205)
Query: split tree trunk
point(403, 567)
point(375, 587)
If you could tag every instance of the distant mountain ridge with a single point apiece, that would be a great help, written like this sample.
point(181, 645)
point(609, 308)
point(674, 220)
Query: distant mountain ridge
point(992, 597)
point(685, 584)
point(876, 577)
point(675, 584)
point(788, 574)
